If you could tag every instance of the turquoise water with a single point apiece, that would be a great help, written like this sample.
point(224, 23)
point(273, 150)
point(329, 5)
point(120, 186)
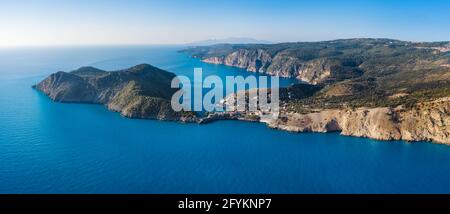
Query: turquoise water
point(48, 147)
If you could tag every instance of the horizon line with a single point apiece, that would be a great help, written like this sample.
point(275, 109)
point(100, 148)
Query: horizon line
point(190, 43)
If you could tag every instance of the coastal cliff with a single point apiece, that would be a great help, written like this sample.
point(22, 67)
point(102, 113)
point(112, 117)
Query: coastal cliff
point(428, 121)
point(314, 71)
point(142, 91)
point(325, 62)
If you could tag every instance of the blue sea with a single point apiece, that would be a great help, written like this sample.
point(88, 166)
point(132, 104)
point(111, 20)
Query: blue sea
point(48, 147)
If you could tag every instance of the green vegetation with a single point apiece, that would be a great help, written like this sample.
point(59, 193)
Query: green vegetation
point(359, 72)
point(142, 91)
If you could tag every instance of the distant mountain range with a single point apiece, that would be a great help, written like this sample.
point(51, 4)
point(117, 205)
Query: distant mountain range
point(230, 40)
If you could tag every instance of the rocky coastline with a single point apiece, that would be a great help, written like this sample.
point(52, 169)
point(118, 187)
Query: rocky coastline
point(122, 92)
point(141, 92)
point(374, 88)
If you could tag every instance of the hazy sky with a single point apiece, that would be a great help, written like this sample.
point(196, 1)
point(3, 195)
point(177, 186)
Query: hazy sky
point(80, 22)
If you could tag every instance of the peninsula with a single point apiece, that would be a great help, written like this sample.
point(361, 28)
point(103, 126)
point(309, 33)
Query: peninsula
point(142, 91)
point(377, 88)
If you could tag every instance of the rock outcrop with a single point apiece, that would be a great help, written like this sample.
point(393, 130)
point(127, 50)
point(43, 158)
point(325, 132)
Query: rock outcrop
point(142, 91)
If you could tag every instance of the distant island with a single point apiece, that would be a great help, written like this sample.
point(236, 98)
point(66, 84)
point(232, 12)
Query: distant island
point(229, 40)
point(377, 88)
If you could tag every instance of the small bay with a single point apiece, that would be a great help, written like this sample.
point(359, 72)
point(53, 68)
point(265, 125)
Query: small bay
point(48, 147)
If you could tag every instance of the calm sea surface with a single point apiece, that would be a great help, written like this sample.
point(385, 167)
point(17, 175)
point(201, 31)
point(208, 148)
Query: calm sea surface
point(48, 147)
